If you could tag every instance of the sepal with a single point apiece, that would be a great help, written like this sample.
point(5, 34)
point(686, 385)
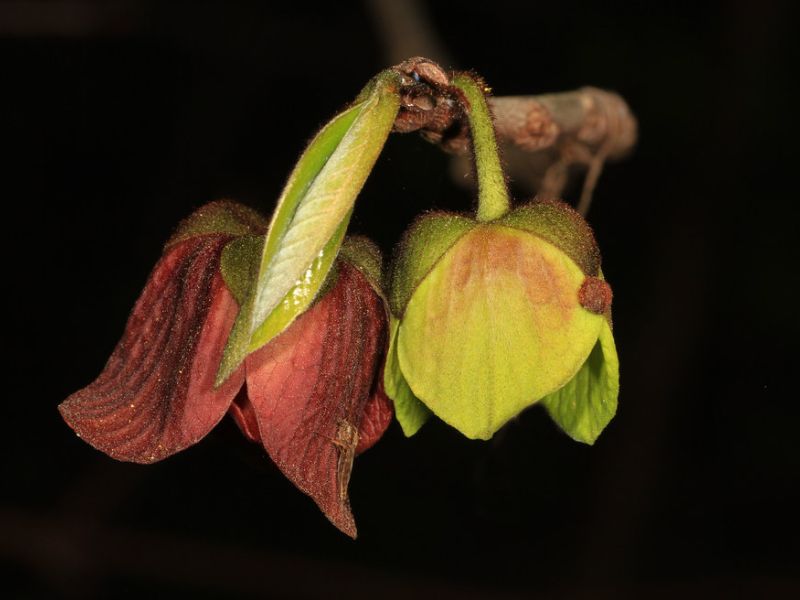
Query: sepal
point(559, 224)
point(221, 217)
point(424, 243)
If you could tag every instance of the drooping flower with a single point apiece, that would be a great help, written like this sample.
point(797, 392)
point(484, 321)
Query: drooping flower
point(496, 312)
point(493, 317)
point(310, 396)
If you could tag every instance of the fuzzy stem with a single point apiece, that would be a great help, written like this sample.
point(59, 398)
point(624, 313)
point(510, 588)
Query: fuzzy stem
point(493, 200)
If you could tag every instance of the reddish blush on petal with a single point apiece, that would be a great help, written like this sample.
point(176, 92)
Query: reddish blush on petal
point(156, 394)
point(309, 388)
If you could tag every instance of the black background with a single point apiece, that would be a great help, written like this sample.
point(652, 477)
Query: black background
point(120, 118)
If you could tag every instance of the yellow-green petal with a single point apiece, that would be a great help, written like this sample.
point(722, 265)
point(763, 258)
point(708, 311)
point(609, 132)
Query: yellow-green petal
point(494, 327)
point(409, 411)
point(584, 406)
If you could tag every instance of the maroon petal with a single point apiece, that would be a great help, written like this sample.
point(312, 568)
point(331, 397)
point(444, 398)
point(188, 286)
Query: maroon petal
point(245, 417)
point(156, 394)
point(376, 419)
point(309, 388)
point(378, 415)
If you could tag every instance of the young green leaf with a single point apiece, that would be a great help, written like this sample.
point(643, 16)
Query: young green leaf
point(584, 406)
point(411, 413)
point(300, 296)
point(312, 214)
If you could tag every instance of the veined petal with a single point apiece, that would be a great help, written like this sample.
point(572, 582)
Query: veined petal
point(375, 421)
point(156, 395)
point(378, 414)
point(310, 385)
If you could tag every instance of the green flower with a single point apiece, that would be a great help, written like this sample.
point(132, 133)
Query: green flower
point(495, 313)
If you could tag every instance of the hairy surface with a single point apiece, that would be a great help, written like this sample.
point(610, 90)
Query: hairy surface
point(310, 386)
point(156, 395)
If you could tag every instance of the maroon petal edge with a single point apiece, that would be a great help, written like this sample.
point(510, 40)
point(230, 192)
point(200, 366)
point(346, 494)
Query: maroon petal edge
point(156, 395)
point(309, 388)
point(244, 415)
point(377, 417)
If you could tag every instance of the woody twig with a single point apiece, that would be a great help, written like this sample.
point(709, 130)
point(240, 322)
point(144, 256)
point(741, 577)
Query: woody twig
point(585, 127)
point(543, 136)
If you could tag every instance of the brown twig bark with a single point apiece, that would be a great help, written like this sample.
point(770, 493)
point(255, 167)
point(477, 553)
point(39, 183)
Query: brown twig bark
point(585, 127)
point(589, 116)
point(543, 136)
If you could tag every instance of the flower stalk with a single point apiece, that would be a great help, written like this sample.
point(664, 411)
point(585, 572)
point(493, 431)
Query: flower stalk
point(493, 198)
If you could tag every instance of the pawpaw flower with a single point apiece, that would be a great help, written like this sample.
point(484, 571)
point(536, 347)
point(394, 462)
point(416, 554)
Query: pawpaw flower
point(497, 312)
point(310, 396)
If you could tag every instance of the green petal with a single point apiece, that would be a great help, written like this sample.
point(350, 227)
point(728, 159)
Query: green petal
point(584, 406)
point(410, 412)
point(428, 238)
point(493, 328)
point(558, 223)
point(313, 211)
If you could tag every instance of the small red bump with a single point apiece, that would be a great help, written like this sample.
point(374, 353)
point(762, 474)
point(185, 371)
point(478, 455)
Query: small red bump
point(595, 295)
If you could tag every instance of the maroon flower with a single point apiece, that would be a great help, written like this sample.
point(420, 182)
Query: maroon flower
point(311, 396)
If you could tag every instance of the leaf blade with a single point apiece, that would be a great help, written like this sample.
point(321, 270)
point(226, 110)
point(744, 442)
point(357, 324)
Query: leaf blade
point(293, 242)
point(312, 215)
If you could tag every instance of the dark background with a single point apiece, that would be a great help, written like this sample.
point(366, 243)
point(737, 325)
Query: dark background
point(121, 117)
